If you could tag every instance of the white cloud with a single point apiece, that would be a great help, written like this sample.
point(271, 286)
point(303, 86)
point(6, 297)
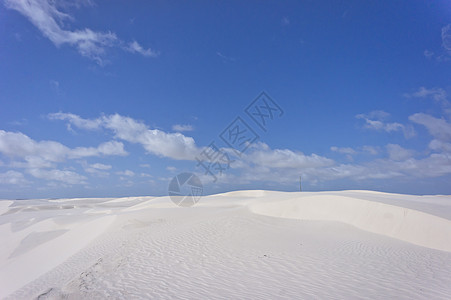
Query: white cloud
point(12, 177)
point(65, 176)
point(434, 165)
point(285, 175)
point(112, 148)
point(172, 145)
point(76, 120)
point(261, 163)
point(285, 158)
point(97, 169)
point(438, 128)
point(33, 162)
point(171, 168)
point(343, 150)
point(107, 148)
point(45, 15)
point(135, 47)
point(440, 146)
point(376, 121)
point(284, 166)
point(396, 152)
point(370, 149)
point(437, 164)
point(323, 169)
point(100, 166)
point(37, 157)
point(438, 94)
point(349, 152)
point(126, 173)
point(16, 144)
point(181, 128)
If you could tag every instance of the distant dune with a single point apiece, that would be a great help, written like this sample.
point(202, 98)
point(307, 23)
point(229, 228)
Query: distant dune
point(242, 244)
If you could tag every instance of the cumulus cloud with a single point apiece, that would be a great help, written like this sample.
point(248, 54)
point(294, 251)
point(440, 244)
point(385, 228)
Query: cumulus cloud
point(126, 173)
point(76, 120)
point(400, 164)
point(440, 146)
point(343, 150)
point(172, 145)
point(349, 152)
point(284, 166)
point(100, 166)
point(64, 176)
point(40, 158)
point(12, 177)
point(396, 152)
point(370, 149)
point(376, 120)
point(107, 148)
point(313, 173)
point(261, 163)
point(181, 128)
point(50, 20)
point(438, 128)
point(262, 155)
point(17, 144)
point(96, 169)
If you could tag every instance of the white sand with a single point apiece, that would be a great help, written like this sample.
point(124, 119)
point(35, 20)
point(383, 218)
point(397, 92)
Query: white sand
point(245, 244)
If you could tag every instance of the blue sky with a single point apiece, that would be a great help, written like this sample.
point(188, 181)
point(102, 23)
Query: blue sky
point(107, 98)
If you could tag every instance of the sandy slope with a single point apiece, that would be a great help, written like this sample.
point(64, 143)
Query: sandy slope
point(246, 244)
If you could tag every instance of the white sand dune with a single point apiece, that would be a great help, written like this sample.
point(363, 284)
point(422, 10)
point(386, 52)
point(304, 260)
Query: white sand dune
point(390, 220)
point(244, 244)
